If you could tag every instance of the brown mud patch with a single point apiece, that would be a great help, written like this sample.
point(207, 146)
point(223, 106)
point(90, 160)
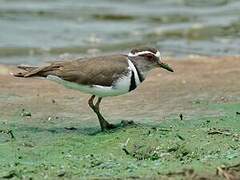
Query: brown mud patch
point(195, 81)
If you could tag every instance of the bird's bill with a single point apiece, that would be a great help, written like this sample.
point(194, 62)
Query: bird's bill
point(165, 66)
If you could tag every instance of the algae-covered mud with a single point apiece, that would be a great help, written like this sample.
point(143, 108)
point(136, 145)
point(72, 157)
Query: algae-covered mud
point(199, 145)
point(187, 126)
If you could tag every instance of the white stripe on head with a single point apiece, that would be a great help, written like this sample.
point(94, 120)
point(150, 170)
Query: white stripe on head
point(157, 54)
point(140, 53)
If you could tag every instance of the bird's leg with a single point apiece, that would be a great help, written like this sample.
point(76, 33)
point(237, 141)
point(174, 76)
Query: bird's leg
point(90, 102)
point(103, 123)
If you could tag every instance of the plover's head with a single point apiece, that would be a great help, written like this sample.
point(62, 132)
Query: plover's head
point(147, 58)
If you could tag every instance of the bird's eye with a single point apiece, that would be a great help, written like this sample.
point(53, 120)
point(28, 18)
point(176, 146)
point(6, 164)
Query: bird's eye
point(149, 57)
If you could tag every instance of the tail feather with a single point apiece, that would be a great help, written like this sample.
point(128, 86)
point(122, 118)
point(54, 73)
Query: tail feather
point(19, 74)
point(27, 69)
point(42, 71)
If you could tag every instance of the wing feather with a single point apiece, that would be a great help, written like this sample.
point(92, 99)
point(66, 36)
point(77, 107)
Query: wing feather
point(102, 71)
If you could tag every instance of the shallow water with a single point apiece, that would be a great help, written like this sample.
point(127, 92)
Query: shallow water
point(35, 31)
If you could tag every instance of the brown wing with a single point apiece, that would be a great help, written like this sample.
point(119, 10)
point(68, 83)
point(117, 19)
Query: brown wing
point(93, 71)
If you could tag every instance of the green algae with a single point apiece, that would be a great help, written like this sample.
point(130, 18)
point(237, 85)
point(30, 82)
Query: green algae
point(51, 150)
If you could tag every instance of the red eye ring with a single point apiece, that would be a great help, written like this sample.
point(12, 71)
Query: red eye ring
point(149, 56)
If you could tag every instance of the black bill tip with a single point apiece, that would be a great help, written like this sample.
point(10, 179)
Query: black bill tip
point(166, 66)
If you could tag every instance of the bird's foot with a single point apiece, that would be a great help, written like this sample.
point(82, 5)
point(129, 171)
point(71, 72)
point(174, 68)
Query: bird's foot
point(107, 126)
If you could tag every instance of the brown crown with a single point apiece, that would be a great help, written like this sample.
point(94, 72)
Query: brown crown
point(136, 50)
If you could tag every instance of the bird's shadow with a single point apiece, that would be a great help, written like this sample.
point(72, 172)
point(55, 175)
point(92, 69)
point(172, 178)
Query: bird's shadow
point(91, 131)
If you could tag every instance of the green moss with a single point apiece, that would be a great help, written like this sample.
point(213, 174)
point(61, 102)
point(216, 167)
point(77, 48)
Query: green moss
point(50, 150)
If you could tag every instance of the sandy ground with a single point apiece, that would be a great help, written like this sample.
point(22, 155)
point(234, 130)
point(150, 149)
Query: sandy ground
point(162, 94)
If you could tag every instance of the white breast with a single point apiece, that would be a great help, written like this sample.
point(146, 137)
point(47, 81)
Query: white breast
point(132, 68)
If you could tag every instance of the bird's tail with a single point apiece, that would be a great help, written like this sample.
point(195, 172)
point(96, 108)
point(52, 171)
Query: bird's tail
point(27, 69)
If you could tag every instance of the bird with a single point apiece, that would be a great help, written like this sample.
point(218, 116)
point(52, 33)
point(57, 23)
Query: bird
point(102, 76)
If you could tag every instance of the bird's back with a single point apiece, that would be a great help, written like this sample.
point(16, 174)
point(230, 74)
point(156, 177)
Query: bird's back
point(102, 70)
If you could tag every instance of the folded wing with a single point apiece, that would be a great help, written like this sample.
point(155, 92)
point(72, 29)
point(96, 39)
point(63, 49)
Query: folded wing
point(102, 71)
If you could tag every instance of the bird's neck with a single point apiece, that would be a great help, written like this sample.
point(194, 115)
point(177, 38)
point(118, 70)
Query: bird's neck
point(142, 67)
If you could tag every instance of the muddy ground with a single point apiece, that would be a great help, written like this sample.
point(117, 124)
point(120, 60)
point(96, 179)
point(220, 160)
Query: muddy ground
point(57, 135)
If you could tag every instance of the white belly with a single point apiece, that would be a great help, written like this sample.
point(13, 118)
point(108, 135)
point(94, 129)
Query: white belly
point(121, 86)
